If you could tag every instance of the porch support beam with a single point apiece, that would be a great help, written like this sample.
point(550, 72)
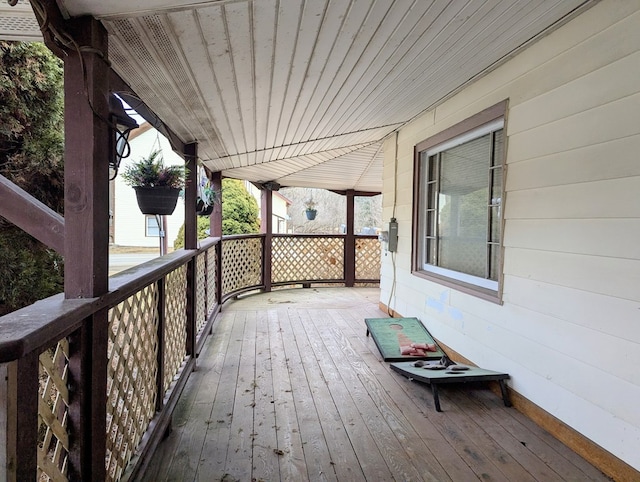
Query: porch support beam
point(266, 227)
point(191, 241)
point(87, 154)
point(32, 216)
point(190, 196)
point(215, 229)
point(350, 242)
point(215, 220)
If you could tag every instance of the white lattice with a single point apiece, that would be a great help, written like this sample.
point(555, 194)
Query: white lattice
point(131, 376)
point(53, 410)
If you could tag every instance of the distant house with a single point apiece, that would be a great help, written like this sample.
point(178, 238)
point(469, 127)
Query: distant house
point(129, 227)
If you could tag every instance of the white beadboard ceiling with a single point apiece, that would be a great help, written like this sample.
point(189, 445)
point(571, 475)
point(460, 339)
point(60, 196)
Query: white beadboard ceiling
point(303, 92)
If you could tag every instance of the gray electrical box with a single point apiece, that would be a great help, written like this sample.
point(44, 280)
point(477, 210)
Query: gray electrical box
point(393, 235)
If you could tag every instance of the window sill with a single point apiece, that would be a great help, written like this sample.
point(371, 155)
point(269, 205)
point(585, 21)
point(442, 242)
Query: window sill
point(483, 293)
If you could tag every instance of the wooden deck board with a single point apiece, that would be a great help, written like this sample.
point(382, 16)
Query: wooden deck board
point(289, 388)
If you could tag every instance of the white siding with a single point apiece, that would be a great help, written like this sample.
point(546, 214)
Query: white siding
point(129, 229)
point(568, 331)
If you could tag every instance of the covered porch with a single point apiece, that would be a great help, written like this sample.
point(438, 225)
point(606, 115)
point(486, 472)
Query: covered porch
point(290, 388)
point(326, 94)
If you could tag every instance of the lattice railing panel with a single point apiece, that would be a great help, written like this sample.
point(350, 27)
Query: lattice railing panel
point(175, 335)
point(367, 258)
point(212, 267)
point(307, 258)
point(201, 314)
point(53, 410)
point(131, 376)
point(241, 263)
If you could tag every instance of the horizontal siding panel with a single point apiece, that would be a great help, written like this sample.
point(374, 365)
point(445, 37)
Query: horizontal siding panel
point(615, 198)
point(598, 274)
point(584, 129)
point(575, 50)
point(617, 238)
point(600, 313)
point(608, 160)
point(517, 334)
point(608, 84)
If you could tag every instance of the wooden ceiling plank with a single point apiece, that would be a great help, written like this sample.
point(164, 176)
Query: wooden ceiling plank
point(287, 28)
point(310, 25)
point(239, 30)
point(264, 27)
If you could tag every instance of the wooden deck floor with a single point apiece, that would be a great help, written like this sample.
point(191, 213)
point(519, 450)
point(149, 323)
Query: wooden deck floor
point(289, 388)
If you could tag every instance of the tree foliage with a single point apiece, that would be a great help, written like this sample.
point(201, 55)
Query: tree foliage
point(239, 213)
point(31, 156)
point(239, 209)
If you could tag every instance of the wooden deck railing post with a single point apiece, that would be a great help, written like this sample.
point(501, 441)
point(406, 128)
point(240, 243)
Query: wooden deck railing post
point(161, 344)
point(350, 242)
point(215, 231)
point(266, 227)
point(21, 422)
point(191, 242)
point(87, 156)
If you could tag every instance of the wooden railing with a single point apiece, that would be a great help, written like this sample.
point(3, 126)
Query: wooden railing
point(63, 375)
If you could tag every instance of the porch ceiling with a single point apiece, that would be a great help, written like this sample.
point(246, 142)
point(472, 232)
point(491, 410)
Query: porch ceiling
point(304, 92)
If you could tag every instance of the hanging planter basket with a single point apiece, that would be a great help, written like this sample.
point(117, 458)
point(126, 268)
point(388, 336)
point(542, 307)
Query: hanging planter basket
point(157, 200)
point(311, 214)
point(203, 210)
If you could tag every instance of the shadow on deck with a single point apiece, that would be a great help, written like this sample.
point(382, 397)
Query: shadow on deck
point(290, 388)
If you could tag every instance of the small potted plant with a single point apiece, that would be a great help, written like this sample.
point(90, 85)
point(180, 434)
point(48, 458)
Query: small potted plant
point(157, 186)
point(310, 209)
point(207, 197)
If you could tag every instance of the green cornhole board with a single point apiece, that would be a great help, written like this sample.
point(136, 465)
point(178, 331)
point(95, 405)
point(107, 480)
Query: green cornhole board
point(385, 333)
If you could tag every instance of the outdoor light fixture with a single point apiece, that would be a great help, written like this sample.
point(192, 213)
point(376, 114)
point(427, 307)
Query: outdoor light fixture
point(271, 186)
point(121, 126)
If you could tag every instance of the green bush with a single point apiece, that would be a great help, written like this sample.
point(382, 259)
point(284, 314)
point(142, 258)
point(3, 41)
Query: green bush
point(31, 156)
point(239, 213)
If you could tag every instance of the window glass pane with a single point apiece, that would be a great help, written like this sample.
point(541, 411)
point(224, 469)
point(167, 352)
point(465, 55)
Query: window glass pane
point(431, 195)
point(498, 148)
point(495, 224)
point(462, 216)
point(496, 186)
point(495, 261)
point(430, 231)
point(430, 257)
point(431, 175)
point(152, 227)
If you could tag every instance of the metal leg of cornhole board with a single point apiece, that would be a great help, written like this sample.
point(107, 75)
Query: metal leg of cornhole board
point(505, 395)
point(436, 398)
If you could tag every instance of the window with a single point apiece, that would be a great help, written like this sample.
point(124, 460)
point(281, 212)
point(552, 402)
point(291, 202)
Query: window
point(151, 229)
point(459, 208)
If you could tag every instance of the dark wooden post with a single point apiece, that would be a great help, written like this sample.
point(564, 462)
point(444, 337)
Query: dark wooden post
point(266, 227)
point(22, 405)
point(87, 154)
point(191, 241)
point(190, 196)
point(215, 230)
point(162, 323)
point(350, 242)
point(215, 220)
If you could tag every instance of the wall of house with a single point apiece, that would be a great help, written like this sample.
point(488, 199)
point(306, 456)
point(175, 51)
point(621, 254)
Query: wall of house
point(129, 222)
point(568, 331)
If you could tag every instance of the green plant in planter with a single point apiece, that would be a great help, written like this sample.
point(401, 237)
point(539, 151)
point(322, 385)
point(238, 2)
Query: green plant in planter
point(207, 197)
point(157, 186)
point(151, 172)
point(310, 209)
